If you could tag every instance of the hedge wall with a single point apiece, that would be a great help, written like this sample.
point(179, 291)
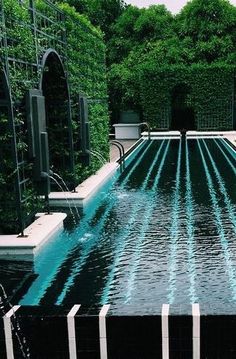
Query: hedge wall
point(211, 94)
point(22, 46)
point(87, 75)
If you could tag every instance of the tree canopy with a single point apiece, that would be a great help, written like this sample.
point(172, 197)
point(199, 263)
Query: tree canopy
point(203, 33)
point(102, 13)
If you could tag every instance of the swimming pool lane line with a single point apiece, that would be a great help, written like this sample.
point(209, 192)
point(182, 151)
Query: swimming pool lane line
point(122, 245)
point(190, 228)
point(154, 162)
point(222, 188)
point(78, 265)
point(76, 268)
point(39, 287)
point(137, 163)
point(174, 231)
point(229, 148)
point(226, 157)
point(128, 227)
point(219, 225)
point(147, 216)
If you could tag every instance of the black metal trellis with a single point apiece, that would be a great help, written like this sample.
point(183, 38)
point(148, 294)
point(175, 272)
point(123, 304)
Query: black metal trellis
point(37, 25)
point(45, 28)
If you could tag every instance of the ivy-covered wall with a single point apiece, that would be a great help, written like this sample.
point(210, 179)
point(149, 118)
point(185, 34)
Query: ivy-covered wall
point(28, 30)
point(87, 75)
point(211, 94)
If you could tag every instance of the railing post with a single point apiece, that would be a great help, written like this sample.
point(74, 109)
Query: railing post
point(103, 332)
point(165, 330)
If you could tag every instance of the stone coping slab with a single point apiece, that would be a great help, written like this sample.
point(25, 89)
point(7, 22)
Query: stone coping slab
point(41, 230)
point(230, 135)
point(86, 189)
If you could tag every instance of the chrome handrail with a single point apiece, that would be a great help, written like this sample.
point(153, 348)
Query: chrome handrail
point(121, 152)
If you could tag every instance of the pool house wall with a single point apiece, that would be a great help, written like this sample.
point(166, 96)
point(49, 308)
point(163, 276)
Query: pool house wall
point(42, 43)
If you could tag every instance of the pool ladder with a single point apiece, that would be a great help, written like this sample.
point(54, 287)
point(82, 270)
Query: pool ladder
point(121, 149)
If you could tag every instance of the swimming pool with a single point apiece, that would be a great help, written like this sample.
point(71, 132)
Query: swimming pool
point(163, 233)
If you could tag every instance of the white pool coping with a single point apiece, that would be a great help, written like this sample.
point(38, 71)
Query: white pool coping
point(230, 135)
point(41, 230)
point(86, 189)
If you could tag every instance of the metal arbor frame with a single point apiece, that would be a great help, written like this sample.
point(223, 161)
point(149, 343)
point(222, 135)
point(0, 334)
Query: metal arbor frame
point(44, 24)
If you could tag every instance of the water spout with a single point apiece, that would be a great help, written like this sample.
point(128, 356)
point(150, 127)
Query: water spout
point(149, 129)
point(183, 133)
point(67, 189)
point(66, 198)
point(98, 156)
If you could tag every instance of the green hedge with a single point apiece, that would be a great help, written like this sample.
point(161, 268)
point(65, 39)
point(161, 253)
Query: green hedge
point(85, 65)
point(211, 94)
point(87, 75)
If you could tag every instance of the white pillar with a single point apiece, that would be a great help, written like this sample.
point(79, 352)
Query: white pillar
point(196, 331)
point(165, 330)
point(103, 331)
point(71, 331)
point(8, 331)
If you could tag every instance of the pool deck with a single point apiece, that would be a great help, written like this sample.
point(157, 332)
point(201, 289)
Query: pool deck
point(85, 190)
point(232, 137)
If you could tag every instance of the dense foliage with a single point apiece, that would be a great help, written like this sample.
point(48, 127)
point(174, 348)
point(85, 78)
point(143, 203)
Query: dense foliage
point(102, 13)
point(85, 53)
point(86, 64)
point(210, 94)
point(152, 43)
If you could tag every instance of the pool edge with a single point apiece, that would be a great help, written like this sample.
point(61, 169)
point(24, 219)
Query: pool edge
point(15, 247)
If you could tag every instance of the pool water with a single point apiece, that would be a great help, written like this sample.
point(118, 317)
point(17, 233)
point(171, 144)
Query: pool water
point(165, 232)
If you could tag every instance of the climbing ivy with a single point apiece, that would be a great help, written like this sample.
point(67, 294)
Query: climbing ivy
point(87, 76)
point(147, 88)
point(85, 66)
point(211, 94)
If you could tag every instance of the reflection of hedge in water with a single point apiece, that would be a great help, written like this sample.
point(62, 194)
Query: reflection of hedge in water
point(22, 58)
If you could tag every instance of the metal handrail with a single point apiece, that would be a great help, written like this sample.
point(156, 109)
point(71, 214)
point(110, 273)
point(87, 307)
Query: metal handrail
point(121, 152)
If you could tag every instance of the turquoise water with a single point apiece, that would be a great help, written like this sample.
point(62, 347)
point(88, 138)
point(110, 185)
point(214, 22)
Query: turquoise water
point(165, 232)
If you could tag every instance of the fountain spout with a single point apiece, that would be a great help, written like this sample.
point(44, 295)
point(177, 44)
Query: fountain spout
point(183, 133)
point(148, 128)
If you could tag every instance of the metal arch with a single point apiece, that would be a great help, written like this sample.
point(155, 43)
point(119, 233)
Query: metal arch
point(43, 63)
point(46, 55)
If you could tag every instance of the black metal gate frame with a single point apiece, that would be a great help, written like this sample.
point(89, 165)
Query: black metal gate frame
point(44, 15)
